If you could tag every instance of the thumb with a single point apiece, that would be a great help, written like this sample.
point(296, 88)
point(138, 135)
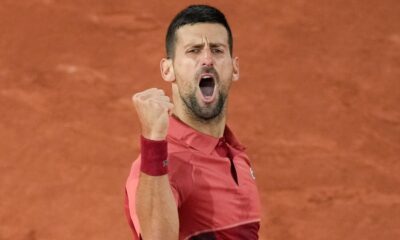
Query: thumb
point(171, 107)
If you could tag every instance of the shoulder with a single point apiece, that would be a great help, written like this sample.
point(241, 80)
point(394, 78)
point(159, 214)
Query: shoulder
point(179, 152)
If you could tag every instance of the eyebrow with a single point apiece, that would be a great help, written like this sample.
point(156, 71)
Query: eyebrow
point(201, 45)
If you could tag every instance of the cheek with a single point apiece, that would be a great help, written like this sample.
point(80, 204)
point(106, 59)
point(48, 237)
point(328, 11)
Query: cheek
point(226, 72)
point(185, 81)
point(185, 68)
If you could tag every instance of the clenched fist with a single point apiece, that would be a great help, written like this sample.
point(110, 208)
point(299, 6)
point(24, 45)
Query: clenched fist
point(153, 108)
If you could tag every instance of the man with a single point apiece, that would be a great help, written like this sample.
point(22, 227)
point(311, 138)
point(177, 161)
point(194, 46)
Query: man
point(192, 179)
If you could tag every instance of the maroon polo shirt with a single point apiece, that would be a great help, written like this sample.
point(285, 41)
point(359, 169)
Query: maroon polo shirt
point(213, 185)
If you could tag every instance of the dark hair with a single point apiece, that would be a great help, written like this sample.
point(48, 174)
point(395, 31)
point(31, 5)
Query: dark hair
point(192, 15)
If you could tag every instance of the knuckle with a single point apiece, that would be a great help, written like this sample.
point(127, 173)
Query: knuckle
point(135, 98)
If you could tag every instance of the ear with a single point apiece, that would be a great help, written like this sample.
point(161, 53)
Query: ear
point(167, 70)
point(235, 76)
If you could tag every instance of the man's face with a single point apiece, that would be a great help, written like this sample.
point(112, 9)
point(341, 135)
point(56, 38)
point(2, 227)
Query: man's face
point(204, 68)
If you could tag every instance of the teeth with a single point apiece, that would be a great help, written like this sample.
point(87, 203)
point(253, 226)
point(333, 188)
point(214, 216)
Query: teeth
point(205, 77)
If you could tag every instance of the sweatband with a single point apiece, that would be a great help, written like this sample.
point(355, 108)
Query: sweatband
point(154, 156)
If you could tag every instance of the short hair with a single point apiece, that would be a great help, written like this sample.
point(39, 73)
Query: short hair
point(192, 15)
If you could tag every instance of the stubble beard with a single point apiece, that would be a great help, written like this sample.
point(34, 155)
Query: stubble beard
point(206, 113)
point(209, 112)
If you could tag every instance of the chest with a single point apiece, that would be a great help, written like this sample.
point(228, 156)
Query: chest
point(216, 199)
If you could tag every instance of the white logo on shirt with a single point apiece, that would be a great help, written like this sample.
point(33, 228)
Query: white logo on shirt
point(252, 174)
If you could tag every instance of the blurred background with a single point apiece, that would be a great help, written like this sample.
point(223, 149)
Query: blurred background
point(317, 107)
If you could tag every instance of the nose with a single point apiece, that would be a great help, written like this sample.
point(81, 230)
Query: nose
point(207, 58)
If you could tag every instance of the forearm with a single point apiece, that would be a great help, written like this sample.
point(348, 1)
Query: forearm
point(155, 204)
point(156, 208)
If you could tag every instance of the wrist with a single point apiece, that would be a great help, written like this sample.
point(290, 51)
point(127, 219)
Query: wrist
point(154, 154)
point(154, 136)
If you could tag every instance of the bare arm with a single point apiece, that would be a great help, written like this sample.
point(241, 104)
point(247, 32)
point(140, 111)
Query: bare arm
point(156, 208)
point(155, 204)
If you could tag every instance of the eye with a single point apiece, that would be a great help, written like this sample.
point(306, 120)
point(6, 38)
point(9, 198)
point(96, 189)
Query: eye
point(217, 50)
point(193, 50)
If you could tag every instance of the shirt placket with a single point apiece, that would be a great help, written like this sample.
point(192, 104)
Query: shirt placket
point(223, 151)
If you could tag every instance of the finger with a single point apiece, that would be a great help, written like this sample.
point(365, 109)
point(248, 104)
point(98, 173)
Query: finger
point(155, 91)
point(149, 93)
point(163, 104)
point(162, 98)
point(171, 109)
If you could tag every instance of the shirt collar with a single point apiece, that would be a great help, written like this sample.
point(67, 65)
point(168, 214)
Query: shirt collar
point(200, 141)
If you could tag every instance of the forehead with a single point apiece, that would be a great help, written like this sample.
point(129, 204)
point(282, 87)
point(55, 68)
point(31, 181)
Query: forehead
point(197, 33)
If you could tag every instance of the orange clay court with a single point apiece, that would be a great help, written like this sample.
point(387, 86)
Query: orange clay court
point(317, 106)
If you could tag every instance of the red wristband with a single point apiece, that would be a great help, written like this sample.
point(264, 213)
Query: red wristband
point(154, 156)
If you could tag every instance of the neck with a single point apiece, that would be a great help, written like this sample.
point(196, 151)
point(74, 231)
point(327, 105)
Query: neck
point(214, 127)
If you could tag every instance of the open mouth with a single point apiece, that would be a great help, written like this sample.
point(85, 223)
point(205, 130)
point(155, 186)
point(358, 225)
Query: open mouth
point(207, 86)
